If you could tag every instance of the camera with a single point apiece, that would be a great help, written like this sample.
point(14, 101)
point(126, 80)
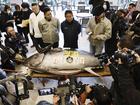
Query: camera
point(46, 91)
point(127, 57)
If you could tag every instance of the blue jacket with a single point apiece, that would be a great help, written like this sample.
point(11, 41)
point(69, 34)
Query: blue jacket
point(71, 32)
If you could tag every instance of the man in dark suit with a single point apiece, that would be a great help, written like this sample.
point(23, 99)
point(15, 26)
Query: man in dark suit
point(71, 29)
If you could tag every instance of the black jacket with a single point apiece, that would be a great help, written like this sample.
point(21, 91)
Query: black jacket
point(136, 22)
point(119, 27)
point(17, 16)
point(25, 16)
point(6, 60)
point(71, 31)
point(126, 85)
point(43, 6)
point(4, 21)
point(17, 44)
point(96, 2)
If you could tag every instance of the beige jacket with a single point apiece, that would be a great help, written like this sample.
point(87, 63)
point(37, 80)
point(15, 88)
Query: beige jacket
point(49, 30)
point(100, 32)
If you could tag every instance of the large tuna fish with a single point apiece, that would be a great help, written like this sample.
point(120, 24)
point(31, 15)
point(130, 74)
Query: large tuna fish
point(58, 59)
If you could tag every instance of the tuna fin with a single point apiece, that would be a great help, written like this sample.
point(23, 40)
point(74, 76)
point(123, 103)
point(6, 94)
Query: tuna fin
point(101, 79)
point(88, 69)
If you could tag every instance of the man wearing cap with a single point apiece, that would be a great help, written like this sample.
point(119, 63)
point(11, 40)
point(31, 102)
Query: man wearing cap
point(99, 29)
point(42, 5)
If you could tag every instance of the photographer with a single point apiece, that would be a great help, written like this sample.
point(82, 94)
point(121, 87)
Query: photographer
point(16, 43)
point(55, 101)
point(124, 69)
point(135, 27)
point(5, 53)
point(98, 95)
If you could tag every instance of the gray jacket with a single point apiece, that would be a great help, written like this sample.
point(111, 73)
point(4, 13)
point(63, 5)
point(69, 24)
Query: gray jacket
point(49, 30)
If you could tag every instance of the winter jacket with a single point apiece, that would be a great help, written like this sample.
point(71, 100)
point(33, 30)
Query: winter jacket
point(33, 24)
point(49, 30)
point(71, 32)
point(102, 30)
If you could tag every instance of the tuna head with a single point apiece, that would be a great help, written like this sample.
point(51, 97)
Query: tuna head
point(34, 60)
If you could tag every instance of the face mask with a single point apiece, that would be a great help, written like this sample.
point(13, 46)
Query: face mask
point(25, 9)
point(105, 7)
point(40, 3)
point(8, 11)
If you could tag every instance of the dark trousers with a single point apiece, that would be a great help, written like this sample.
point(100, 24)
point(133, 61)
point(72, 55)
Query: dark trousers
point(19, 29)
point(39, 42)
point(55, 45)
point(25, 31)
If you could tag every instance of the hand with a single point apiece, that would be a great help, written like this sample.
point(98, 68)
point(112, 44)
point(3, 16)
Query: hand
point(55, 99)
point(98, 37)
point(119, 61)
point(137, 57)
point(88, 89)
point(18, 57)
point(109, 62)
point(90, 33)
point(32, 34)
point(75, 100)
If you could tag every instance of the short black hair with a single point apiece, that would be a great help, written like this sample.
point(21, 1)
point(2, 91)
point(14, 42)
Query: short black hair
point(17, 7)
point(6, 7)
point(132, 4)
point(68, 12)
point(25, 5)
point(46, 9)
point(98, 10)
point(120, 12)
point(126, 42)
point(134, 15)
point(34, 4)
point(43, 103)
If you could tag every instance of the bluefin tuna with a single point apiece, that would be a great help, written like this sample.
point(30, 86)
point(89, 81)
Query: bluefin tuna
point(58, 59)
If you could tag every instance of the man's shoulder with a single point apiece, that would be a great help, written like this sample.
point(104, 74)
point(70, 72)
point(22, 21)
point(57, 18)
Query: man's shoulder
point(76, 22)
point(41, 13)
point(107, 21)
point(92, 20)
point(32, 15)
point(63, 23)
point(55, 19)
point(42, 21)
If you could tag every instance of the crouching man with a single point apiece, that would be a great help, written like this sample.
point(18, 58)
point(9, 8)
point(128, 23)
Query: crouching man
point(16, 42)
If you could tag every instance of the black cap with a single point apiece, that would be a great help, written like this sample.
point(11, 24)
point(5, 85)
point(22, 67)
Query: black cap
point(44, 103)
point(98, 11)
